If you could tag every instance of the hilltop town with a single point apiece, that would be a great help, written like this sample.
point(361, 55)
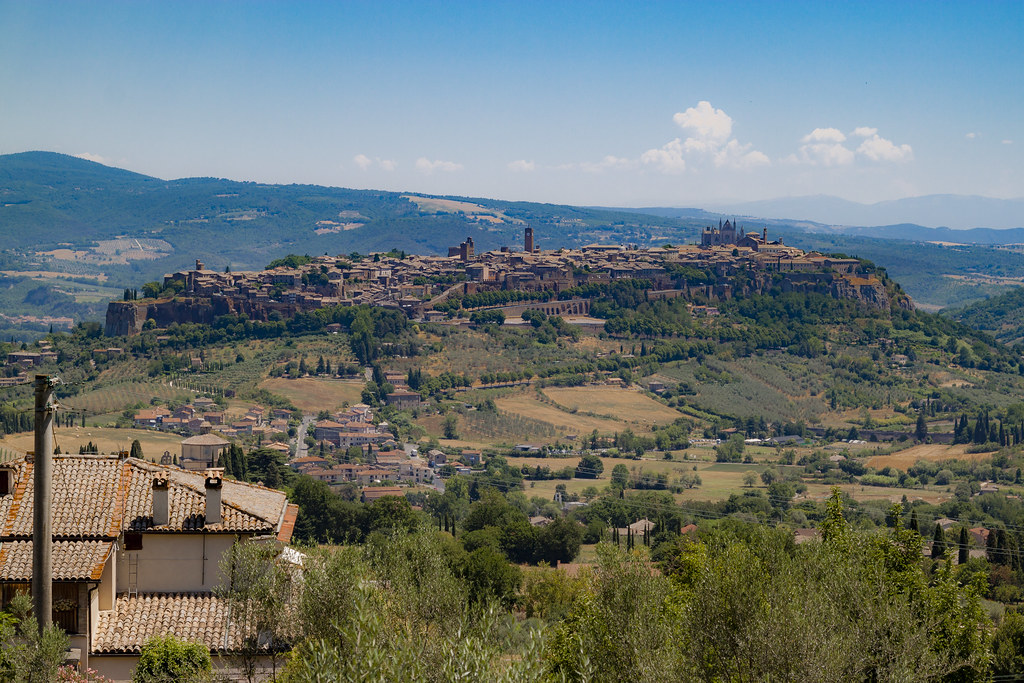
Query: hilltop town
point(728, 261)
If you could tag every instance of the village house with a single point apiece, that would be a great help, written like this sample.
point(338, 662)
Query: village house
point(200, 453)
point(136, 552)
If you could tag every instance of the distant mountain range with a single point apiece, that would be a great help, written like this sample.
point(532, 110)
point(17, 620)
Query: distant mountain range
point(959, 212)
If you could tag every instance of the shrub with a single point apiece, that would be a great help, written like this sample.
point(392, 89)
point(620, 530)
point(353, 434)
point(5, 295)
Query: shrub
point(166, 658)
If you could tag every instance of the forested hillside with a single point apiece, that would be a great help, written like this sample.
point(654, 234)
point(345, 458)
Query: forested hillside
point(1001, 316)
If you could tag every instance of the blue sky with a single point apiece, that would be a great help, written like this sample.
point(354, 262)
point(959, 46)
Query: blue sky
point(629, 104)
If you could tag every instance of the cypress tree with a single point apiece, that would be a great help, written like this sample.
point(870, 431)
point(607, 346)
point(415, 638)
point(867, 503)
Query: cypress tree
point(915, 525)
point(938, 542)
point(964, 544)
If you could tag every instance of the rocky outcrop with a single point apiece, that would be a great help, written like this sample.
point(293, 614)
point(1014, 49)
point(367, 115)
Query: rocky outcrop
point(868, 290)
point(125, 318)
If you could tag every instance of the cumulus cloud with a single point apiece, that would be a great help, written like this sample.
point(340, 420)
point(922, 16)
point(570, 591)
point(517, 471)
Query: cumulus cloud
point(364, 162)
point(879, 149)
point(668, 158)
point(709, 137)
point(1007, 142)
point(971, 136)
point(825, 147)
point(521, 166)
point(707, 124)
point(425, 165)
point(824, 135)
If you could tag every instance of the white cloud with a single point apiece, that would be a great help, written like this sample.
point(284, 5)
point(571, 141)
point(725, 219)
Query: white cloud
point(971, 136)
point(1007, 142)
point(668, 159)
point(706, 122)
point(95, 157)
point(425, 165)
point(823, 147)
point(364, 162)
point(521, 166)
point(709, 137)
point(819, 135)
point(879, 149)
point(735, 155)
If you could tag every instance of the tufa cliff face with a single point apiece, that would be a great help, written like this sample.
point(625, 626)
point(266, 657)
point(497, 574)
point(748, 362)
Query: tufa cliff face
point(125, 318)
point(128, 317)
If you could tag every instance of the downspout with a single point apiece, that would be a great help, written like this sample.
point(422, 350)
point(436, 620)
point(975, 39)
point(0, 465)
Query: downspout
point(88, 626)
point(204, 561)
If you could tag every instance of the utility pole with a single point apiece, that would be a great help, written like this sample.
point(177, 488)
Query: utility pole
point(42, 528)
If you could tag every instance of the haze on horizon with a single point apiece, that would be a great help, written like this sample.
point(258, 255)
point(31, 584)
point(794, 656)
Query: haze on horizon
point(670, 104)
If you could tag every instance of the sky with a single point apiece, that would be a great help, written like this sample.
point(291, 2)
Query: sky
point(613, 104)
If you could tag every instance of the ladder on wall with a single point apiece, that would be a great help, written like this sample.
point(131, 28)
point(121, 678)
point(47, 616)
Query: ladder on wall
point(133, 574)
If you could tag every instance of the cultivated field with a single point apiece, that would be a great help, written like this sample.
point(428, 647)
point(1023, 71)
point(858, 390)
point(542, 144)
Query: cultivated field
point(117, 397)
point(108, 440)
point(932, 451)
point(615, 403)
point(528, 406)
point(313, 394)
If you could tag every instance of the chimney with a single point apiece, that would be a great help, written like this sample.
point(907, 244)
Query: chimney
point(161, 502)
point(213, 486)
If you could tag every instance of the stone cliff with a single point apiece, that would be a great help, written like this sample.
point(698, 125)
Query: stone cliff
point(128, 317)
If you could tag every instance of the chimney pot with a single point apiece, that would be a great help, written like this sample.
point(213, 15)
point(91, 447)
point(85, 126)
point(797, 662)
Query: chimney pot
point(161, 502)
point(213, 491)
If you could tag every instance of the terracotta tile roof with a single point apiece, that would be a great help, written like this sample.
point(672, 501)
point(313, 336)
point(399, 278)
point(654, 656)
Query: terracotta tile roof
point(198, 618)
point(97, 497)
point(72, 560)
point(85, 499)
point(288, 525)
point(244, 507)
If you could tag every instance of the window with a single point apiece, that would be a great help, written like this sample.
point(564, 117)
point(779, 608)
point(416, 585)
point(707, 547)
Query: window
point(132, 540)
point(65, 606)
point(6, 481)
